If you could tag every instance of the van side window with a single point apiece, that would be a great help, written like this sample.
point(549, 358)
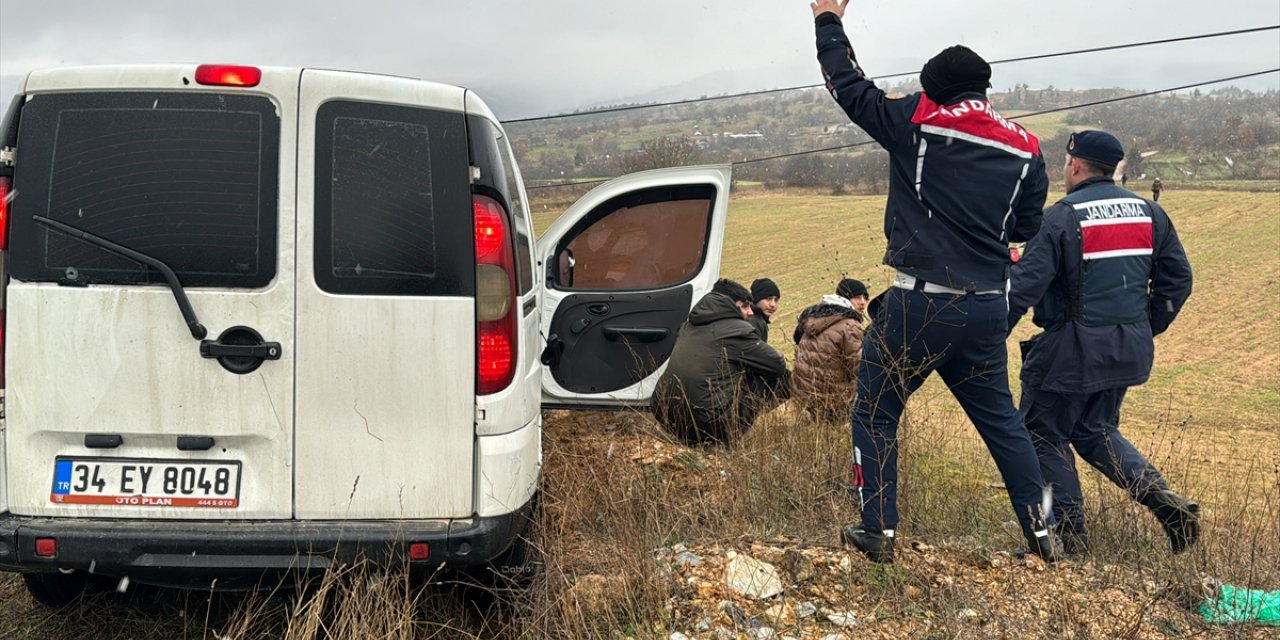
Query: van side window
point(524, 234)
point(390, 183)
point(643, 240)
point(190, 179)
point(491, 153)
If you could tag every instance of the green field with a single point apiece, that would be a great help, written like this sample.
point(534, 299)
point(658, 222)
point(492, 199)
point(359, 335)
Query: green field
point(1217, 374)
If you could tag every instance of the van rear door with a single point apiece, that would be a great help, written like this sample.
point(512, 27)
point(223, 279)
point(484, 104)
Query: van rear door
point(386, 300)
point(623, 267)
point(114, 407)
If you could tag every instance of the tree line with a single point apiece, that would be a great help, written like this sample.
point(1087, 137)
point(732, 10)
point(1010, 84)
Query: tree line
point(1225, 134)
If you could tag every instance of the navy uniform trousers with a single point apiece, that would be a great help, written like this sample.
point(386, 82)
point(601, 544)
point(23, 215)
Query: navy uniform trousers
point(1088, 422)
point(963, 339)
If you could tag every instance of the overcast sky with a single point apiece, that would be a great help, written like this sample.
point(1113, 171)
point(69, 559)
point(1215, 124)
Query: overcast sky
point(533, 57)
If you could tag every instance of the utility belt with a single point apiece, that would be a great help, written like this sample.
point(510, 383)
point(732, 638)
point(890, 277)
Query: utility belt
point(912, 283)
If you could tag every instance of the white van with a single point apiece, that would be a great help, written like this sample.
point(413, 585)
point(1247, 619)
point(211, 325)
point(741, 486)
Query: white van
point(266, 319)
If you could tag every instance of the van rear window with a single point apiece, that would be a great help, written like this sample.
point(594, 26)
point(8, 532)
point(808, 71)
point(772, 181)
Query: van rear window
point(392, 201)
point(188, 178)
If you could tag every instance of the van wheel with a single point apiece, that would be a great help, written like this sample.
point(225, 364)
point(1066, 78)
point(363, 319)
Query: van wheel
point(59, 589)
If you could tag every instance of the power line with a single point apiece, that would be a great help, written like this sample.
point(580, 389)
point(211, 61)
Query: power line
point(1029, 115)
point(901, 74)
point(1017, 117)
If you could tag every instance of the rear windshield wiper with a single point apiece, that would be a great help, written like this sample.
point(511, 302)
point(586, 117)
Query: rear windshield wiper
point(188, 314)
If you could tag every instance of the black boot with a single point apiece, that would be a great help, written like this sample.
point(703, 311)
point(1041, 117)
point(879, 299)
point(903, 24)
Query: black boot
point(1075, 540)
point(1048, 546)
point(1179, 516)
point(877, 546)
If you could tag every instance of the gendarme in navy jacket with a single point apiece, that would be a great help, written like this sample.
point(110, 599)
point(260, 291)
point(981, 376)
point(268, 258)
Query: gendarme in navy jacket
point(1099, 315)
point(963, 181)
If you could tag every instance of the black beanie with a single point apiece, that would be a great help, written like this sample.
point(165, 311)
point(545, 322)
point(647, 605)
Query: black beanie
point(850, 288)
point(954, 71)
point(764, 288)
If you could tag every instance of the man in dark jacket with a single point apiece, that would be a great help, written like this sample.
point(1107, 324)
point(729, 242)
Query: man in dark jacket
point(764, 303)
point(1106, 274)
point(964, 182)
point(721, 375)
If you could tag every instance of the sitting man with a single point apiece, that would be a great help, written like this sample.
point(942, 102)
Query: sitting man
point(828, 341)
point(765, 295)
point(721, 374)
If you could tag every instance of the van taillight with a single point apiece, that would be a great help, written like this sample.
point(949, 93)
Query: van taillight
point(6, 194)
point(495, 297)
point(228, 75)
point(5, 190)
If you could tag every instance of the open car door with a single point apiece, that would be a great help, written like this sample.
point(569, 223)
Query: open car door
point(623, 267)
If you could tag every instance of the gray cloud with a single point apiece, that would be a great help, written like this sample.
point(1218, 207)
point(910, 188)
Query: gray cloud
point(540, 56)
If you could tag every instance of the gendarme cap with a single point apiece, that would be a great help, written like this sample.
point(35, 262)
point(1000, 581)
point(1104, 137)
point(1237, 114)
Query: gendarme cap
point(1098, 146)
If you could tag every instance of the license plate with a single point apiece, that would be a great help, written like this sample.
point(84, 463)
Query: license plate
point(146, 483)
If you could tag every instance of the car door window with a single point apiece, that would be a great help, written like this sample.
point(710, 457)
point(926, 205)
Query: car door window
point(190, 179)
point(388, 181)
point(645, 240)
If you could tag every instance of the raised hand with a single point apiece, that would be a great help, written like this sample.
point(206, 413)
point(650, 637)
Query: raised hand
point(829, 6)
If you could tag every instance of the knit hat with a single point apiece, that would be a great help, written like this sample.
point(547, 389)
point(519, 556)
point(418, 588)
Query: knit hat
point(954, 71)
point(764, 288)
point(850, 288)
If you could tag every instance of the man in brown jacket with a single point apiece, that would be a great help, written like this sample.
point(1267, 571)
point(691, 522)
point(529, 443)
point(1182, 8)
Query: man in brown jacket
point(828, 341)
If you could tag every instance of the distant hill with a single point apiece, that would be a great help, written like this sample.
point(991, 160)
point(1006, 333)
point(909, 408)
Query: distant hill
point(1220, 136)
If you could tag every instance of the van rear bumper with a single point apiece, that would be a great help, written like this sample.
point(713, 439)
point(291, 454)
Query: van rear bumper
point(240, 553)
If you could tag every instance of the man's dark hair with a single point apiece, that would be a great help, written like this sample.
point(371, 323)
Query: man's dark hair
point(735, 291)
point(1097, 167)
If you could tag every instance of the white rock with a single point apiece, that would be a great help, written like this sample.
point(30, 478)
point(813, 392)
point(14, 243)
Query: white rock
point(806, 609)
point(752, 578)
point(677, 636)
point(843, 619)
point(762, 633)
point(967, 613)
point(833, 636)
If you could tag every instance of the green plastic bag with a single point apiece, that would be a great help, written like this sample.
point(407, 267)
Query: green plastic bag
point(1231, 604)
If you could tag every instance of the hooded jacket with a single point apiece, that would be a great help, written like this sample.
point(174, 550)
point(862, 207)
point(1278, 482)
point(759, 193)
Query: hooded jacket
point(717, 364)
point(964, 182)
point(828, 341)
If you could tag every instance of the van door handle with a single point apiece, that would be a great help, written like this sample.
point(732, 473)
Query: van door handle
point(640, 334)
point(262, 351)
point(240, 350)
